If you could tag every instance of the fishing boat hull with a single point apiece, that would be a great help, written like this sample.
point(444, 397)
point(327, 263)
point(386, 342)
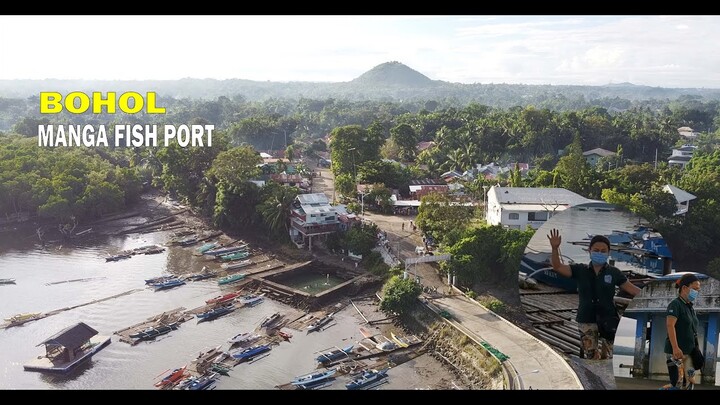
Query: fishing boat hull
point(538, 265)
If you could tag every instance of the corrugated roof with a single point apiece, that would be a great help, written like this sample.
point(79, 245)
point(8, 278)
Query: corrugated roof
point(71, 337)
point(599, 152)
point(535, 207)
point(316, 198)
point(535, 195)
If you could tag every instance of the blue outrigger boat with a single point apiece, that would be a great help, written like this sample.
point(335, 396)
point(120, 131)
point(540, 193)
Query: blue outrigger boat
point(334, 354)
point(175, 282)
point(367, 379)
point(214, 313)
point(251, 352)
point(251, 300)
point(153, 332)
point(313, 378)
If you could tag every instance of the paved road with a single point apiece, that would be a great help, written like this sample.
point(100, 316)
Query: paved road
point(527, 353)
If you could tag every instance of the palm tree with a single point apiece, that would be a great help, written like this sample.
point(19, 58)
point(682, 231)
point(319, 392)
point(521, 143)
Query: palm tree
point(276, 209)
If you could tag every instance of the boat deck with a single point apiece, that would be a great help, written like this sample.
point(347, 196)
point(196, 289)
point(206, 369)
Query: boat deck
point(43, 364)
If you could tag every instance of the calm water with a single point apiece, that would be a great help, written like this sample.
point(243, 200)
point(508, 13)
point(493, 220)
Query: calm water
point(312, 283)
point(120, 365)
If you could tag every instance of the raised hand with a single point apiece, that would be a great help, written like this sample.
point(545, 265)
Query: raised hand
point(554, 238)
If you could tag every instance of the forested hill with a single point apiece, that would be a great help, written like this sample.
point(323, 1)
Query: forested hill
point(388, 81)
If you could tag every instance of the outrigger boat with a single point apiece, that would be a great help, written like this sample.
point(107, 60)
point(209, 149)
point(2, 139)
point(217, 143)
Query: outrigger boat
point(271, 320)
point(313, 378)
point(204, 248)
point(251, 352)
point(118, 257)
point(231, 279)
point(154, 331)
point(7, 281)
point(244, 338)
point(251, 300)
point(238, 265)
point(160, 279)
point(317, 325)
point(223, 298)
point(23, 317)
point(335, 354)
point(234, 256)
point(175, 282)
point(172, 378)
point(227, 250)
point(367, 379)
point(214, 313)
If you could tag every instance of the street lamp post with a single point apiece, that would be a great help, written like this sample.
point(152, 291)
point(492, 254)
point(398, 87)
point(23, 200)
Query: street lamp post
point(362, 204)
point(517, 376)
point(485, 201)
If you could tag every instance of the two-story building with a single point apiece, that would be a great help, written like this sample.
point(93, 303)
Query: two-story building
point(681, 156)
point(523, 207)
point(312, 216)
point(593, 156)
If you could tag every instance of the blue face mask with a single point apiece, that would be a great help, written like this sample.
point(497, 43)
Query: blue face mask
point(598, 258)
point(692, 295)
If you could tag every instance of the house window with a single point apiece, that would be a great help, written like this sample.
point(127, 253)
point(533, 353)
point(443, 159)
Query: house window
point(514, 215)
point(537, 216)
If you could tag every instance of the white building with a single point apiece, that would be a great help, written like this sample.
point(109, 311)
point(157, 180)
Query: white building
point(522, 207)
point(681, 156)
point(312, 215)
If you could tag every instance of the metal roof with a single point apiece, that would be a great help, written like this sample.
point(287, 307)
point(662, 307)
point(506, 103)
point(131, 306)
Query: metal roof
point(316, 198)
point(71, 337)
point(537, 195)
point(680, 194)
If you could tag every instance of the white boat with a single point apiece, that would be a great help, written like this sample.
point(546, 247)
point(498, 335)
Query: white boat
point(244, 338)
point(238, 265)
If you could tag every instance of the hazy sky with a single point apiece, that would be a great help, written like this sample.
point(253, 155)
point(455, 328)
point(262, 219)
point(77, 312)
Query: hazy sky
point(667, 51)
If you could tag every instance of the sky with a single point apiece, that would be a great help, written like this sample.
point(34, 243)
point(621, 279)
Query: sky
point(665, 51)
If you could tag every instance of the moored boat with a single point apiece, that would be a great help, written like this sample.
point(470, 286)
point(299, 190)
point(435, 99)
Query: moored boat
point(23, 317)
point(250, 352)
point(214, 313)
point(237, 265)
point(226, 250)
point(160, 279)
point(172, 378)
point(234, 256)
point(318, 324)
point(175, 282)
point(204, 248)
point(334, 354)
point(367, 379)
point(118, 257)
point(7, 281)
point(154, 331)
point(314, 378)
point(271, 320)
point(231, 278)
point(537, 265)
point(244, 338)
point(251, 300)
point(223, 298)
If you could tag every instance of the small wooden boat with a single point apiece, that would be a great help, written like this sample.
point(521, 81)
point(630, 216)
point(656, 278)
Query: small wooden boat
point(7, 281)
point(172, 378)
point(154, 331)
point(214, 313)
point(367, 379)
point(318, 324)
point(271, 320)
point(314, 378)
point(285, 335)
point(23, 317)
point(226, 250)
point(220, 369)
point(399, 342)
point(222, 298)
point(118, 257)
point(250, 352)
point(204, 248)
point(238, 265)
point(251, 300)
point(234, 256)
point(334, 354)
point(244, 338)
point(188, 241)
point(202, 383)
point(175, 282)
point(154, 251)
point(231, 278)
point(160, 279)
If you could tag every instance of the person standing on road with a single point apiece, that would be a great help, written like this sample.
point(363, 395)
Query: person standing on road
point(597, 316)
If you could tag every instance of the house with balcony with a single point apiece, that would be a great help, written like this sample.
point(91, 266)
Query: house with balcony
point(681, 156)
point(528, 207)
point(312, 216)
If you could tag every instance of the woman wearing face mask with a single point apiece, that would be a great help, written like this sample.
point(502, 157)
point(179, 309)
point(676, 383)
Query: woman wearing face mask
point(681, 345)
point(597, 316)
